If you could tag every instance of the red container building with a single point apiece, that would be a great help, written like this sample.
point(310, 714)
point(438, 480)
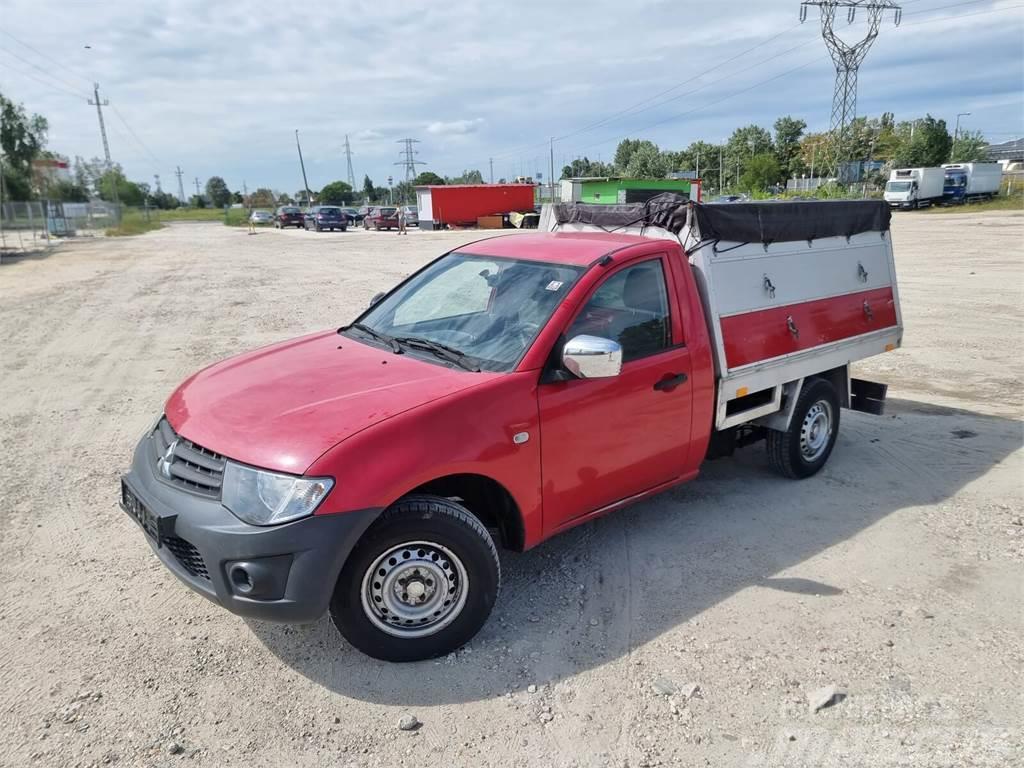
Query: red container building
point(463, 204)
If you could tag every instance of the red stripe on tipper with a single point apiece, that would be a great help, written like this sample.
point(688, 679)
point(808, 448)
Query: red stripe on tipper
point(768, 333)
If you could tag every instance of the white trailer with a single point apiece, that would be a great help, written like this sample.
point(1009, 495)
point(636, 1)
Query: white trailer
point(966, 182)
point(915, 187)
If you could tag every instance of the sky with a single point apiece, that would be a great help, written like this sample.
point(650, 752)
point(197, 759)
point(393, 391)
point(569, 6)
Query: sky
point(220, 88)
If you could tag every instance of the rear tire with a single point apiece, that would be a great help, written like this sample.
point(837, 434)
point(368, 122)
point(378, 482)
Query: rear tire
point(805, 446)
point(431, 545)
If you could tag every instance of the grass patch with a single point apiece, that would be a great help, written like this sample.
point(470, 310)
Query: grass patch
point(134, 222)
point(235, 217)
point(1000, 203)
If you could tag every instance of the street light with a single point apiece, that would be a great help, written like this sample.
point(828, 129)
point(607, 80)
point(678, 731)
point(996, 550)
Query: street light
point(956, 132)
point(391, 193)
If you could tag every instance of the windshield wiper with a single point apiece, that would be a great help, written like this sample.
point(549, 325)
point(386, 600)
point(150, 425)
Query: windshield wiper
point(443, 351)
point(391, 341)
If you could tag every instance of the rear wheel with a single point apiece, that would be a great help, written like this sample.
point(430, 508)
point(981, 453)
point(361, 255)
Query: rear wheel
point(805, 446)
point(420, 584)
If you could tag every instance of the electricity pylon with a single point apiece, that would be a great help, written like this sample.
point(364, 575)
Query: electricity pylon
point(410, 162)
point(847, 57)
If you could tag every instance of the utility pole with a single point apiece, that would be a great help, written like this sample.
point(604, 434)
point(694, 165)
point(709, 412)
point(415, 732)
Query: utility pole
point(409, 160)
point(551, 168)
point(491, 160)
point(198, 193)
point(721, 167)
point(847, 58)
point(956, 133)
point(348, 161)
point(156, 182)
point(309, 200)
point(181, 187)
point(103, 134)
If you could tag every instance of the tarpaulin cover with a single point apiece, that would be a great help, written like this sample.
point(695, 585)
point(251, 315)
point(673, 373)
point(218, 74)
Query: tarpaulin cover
point(773, 221)
point(767, 221)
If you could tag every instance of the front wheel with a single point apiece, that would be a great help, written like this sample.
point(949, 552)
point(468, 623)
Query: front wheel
point(805, 446)
point(420, 583)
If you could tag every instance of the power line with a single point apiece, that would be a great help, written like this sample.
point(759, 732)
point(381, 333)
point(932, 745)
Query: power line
point(29, 75)
point(139, 141)
point(45, 56)
point(37, 67)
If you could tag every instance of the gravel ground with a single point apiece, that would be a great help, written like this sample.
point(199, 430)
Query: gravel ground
point(692, 629)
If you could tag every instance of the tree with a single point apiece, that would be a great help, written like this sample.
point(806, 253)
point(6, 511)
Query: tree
point(647, 162)
point(970, 148)
point(585, 167)
point(22, 138)
point(427, 178)
point(337, 193)
point(261, 198)
point(165, 200)
point(761, 172)
point(788, 131)
point(925, 142)
point(112, 185)
point(67, 192)
point(217, 192)
point(197, 201)
point(624, 152)
point(405, 192)
point(367, 188)
point(745, 143)
point(467, 177)
point(236, 197)
point(284, 199)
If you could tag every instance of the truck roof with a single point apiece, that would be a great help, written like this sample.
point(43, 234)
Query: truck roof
point(575, 248)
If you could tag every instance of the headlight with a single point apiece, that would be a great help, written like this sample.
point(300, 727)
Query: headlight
point(267, 498)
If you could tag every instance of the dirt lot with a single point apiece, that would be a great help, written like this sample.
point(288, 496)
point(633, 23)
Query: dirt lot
point(895, 574)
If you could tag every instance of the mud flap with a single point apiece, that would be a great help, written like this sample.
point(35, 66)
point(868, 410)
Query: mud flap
point(867, 396)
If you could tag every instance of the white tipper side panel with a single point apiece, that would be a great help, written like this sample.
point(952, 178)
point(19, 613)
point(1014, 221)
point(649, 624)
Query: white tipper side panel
point(744, 278)
point(730, 279)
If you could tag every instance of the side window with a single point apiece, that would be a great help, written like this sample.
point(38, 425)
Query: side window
point(630, 307)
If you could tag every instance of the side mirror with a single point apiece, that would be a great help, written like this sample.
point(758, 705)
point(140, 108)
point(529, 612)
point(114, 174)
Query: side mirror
point(377, 297)
point(592, 357)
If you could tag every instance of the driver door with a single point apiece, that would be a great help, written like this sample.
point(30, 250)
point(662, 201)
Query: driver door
point(606, 440)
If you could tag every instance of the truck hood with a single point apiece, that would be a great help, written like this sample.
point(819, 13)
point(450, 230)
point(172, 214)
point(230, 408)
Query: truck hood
point(283, 406)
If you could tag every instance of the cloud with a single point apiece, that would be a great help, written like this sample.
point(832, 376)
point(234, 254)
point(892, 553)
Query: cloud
point(456, 127)
point(220, 92)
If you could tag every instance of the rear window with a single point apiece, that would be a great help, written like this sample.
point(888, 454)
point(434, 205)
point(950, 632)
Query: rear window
point(387, 211)
point(289, 210)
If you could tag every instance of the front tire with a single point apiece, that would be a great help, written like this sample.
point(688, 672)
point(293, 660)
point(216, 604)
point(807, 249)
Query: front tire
point(805, 446)
point(419, 584)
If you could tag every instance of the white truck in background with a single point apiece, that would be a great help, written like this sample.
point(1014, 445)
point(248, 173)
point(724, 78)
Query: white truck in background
point(915, 187)
point(967, 182)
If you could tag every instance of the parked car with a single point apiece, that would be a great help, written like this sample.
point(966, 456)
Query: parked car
point(532, 383)
point(289, 216)
point(321, 217)
point(412, 215)
point(353, 214)
point(381, 217)
point(261, 217)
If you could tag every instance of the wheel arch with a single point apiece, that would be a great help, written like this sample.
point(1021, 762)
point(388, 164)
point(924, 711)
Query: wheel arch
point(487, 499)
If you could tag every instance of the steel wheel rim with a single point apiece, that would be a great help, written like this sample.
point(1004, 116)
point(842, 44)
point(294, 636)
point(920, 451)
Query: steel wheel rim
point(414, 589)
point(816, 430)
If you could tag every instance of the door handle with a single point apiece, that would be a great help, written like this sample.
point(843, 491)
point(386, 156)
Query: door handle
point(670, 382)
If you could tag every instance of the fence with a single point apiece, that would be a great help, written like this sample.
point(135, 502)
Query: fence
point(37, 224)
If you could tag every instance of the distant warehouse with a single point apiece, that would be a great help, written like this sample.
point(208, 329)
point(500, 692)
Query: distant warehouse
point(614, 190)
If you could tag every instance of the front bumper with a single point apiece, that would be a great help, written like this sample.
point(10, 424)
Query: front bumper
point(277, 573)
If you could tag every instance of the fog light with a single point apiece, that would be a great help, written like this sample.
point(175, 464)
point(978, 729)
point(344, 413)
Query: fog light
point(241, 580)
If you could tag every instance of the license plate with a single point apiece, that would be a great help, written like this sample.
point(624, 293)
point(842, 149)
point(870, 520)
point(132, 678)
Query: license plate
point(156, 527)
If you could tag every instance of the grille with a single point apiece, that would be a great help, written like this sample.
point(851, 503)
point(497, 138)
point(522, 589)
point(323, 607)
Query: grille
point(187, 555)
point(182, 463)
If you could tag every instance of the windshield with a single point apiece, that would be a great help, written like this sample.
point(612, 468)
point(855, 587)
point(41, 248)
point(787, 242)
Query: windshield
point(491, 309)
point(330, 211)
point(898, 186)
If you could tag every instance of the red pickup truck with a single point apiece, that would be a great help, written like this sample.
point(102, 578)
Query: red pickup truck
point(511, 389)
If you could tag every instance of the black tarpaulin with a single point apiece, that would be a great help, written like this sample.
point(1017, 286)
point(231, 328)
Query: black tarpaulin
point(766, 221)
point(774, 221)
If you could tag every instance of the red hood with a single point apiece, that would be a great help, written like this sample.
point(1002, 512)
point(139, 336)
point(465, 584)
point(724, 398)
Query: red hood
point(283, 406)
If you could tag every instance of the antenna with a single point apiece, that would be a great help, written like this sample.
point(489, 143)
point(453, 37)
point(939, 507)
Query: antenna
point(847, 57)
